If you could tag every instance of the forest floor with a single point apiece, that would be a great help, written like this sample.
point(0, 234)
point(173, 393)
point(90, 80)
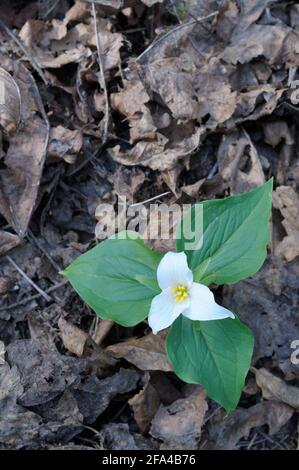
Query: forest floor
point(176, 102)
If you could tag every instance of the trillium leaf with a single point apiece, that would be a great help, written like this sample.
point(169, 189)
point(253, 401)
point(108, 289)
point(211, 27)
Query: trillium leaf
point(215, 354)
point(117, 278)
point(235, 236)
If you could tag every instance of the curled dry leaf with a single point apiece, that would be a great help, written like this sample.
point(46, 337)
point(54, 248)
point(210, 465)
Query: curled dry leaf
point(146, 353)
point(10, 102)
point(24, 160)
point(145, 404)
point(287, 201)
point(57, 45)
point(73, 338)
point(65, 144)
point(79, 343)
point(181, 422)
point(226, 431)
point(274, 388)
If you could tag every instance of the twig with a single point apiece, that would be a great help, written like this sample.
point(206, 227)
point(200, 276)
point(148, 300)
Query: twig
point(270, 439)
point(32, 237)
point(172, 31)
point(32, 297)
point(44, 11)
point(102, 74)
point(38, 289)
point(54, 184)
point(27, 53)
point(151, 199)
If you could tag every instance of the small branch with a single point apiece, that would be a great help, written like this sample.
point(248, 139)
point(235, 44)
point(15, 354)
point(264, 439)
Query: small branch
point(31, 237)
point(27, 53)
point(38, 289)
point(174, 30)
point(102, 73)
point(32, 297)
point(150, 200)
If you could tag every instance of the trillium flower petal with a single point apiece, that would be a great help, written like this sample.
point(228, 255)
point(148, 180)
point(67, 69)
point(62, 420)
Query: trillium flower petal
point(203, 306)
point(164, 310)
point(173, 270)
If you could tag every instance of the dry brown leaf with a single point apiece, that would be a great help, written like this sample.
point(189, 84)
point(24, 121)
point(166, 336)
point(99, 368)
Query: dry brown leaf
point(278, 131)
point(186, 80)
point(10, 102)
point(145, 404)
point(274, 388)
point(257, 40)
point(193, 189)
point(79, 11)
point(93, 395)
point(130, 100)
point(65, 144)
point(226, 431)
point(25, 155)
point(61, 46)
point(181, 422)
point(73, 338)
point(287, 201)
point(146, 353)
point(158, 154)
point(233, 154)
point(8, 241)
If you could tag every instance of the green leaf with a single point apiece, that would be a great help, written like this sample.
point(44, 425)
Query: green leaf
point(117, 278)
point(235, 236)
point(215, 354)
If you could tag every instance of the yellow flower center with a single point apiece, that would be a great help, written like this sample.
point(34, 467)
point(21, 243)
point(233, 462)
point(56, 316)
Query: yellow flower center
point(180, 293)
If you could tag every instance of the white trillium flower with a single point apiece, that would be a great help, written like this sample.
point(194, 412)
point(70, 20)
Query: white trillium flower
point(180, 295)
